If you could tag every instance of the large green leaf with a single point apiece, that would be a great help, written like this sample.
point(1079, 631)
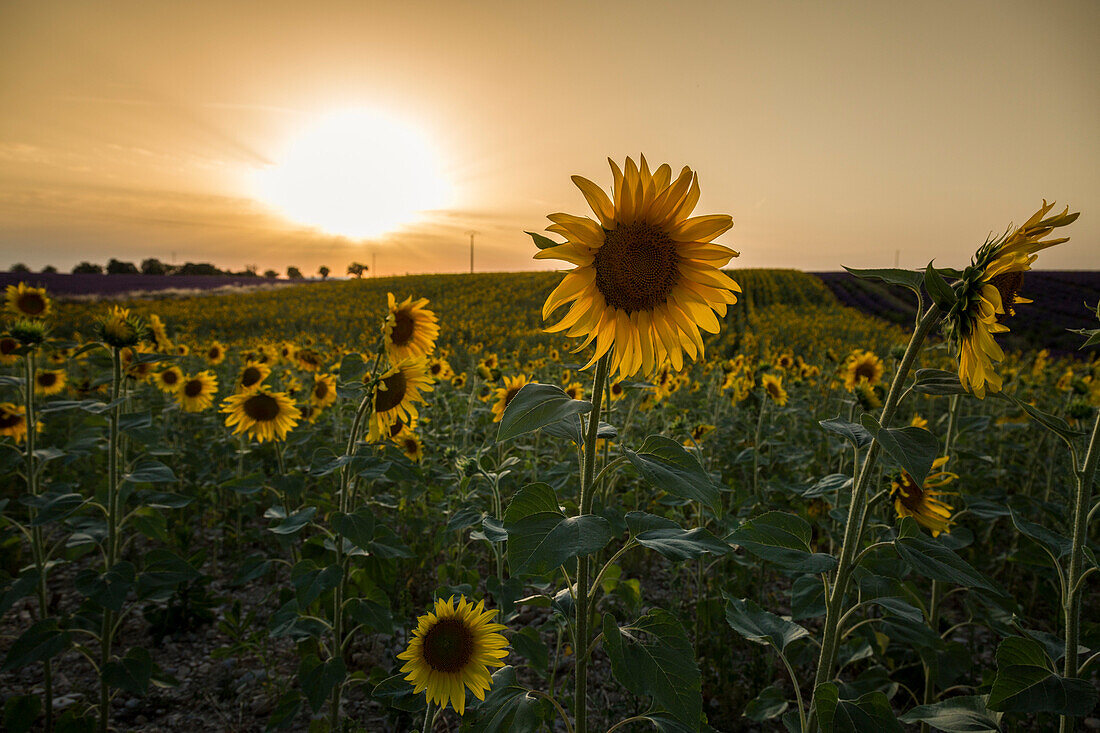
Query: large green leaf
point(870, 712)
point(770, 703)
point(967, 714)
point(677, 543)
point(52, 506)
point(311, 580)
point(1056, 544)
point(41, 641)
point(667, 466)
point(855, 434)
point(108, 590)
point(653, 657)
point(937, 382)
point(1025, 683)
point(760, 626)
point(937, 287)
point(912, 279)
point(318, 678)
point(783, 539)
point(508, 708)
point(294, 523)
point(934, 560)
point(541, 537)
point(358, 527)
point(535, 406)
point(1053, 423)
point(132, 673)
point(151, 472)
point(914, 449)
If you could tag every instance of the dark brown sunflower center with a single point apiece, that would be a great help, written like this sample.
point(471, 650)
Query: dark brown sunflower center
point(1008, 284)
point(396, 386)
point(403, 327)
point(511, 395)
point(193, 388)
point(251, 376)
point(321, 390)
point(47, 379)
point(616, 389)
point(448, 646)
point(309, 357)
point(169, 377)
point(9, 419)
point(637, 267)
point(261, 407)
point(32, 304)
point(773, 389)
point(8, 345)
point(435, 368)
point(911, 495)
point(411, 446)
point(397, 427)
point(865, 370)
point(214, 353)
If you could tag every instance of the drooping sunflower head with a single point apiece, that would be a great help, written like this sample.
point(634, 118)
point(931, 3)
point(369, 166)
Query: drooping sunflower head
point(49, 381)
point(451, 649)
point(647, 276)
point(396, 395)
point(862, 366)
point(323, 392)
point(196, 393)
point(921, 502)
point(252, 376)
point(988, 292)
point(262, 414)
point(24, 301)
point(410, 329)
point(169, 380)
point(505, 394)
point(13, 421)
point(215, 353)
point(773, 387)
point(158, 332)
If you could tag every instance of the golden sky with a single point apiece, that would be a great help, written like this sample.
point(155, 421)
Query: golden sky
point(841, 133)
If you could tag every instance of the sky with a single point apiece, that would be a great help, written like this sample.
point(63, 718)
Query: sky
point(841, 133)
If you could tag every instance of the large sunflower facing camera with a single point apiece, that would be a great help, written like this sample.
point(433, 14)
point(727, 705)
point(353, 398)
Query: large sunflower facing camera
point(647, 274)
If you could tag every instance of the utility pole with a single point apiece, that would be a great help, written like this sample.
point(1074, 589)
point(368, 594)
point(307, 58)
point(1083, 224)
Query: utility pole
point(897, 256)
point(472, 234)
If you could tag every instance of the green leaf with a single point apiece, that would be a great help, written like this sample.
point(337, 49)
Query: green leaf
point(1053, 423)
point(937, 287)
point(20, 712)
point(933, 560)
point(678, 544)
point(52, 506)
point(760, 626)
point(653, 657)
point(541, 537)
point(536, 406)
point(967, 714)
point(352, 368)
point(319, 678)
point(1057, 545)
point(357, 527)
point(110, 589)
point(311, 580)
point(1025, 683)
point(286, 710)
point(295, 522)
point(911, 279)
point(807, 597)
point(532, 499)
point(21, 587)
point(164, 500)
point(914, 449)
point(770, 703)
point(1093, 335)
point(527, 643)
point(871, 712)
point(542, 242)
point(829, 485)
point(372, 609)
point(150, 471)
point(132, 673)
point(783, 539)
point(667, 466)
point(855, 434)
point(937, 382)
point(507, 707)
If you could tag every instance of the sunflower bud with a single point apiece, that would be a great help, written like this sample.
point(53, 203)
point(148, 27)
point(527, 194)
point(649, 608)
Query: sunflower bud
point(28, 332)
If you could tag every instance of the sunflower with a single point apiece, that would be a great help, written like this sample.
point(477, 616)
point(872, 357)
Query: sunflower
point(784, 361)
point(215, 353)
point(323, 393)
point(862, 366)
point(773, 385)
point(137, 368)
point(263, 414)
point(920, 503)
point(308, 359)
point(440, 369)
point(13, 421)
point(169, 380)
point(452, 648)
point(410, 329)
point(988, 293)
point(504, 395)
point(458, 381)
point(410, 445)
point(182, 349)
point(698, 433)
point(120, 329)
point(395, 395)
point(196, 393)
point(575, 390)
point(287, 351)
point(8, 347)
point(252, 376)
point(159, 334)
point(49, 382)
point(918, 422)
point(647, 276)
point(617, 391)
point(23, 300)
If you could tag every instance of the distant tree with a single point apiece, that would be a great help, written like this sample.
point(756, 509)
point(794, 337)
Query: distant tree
point(118, 267)
point(19, 267)
point(49, 270)
point(357, 269)
point(87, 268)
point(323, 272)
point(294, 273)
point(252, 270)
point(198, 268)
point(153, 266)
point(270, 274)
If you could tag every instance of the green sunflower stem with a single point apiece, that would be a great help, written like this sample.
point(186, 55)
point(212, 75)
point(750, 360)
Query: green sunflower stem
point(429, 718)
point(110, 555)
point(1071, 603)
point(588, 472)
point(834, 604)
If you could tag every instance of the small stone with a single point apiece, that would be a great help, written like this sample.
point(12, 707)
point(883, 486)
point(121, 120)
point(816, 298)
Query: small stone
point(1092, 723)
point(141, 720)
point(132, 703)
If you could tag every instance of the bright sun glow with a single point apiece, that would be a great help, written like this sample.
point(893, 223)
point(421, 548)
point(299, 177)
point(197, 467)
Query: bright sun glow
point(355, 173)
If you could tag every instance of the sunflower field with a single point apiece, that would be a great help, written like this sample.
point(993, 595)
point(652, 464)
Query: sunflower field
point(650, 494)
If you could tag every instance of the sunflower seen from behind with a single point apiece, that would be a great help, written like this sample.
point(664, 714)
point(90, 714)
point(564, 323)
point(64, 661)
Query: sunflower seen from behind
point(196, 393)
point(396, 395)
point(988, 292)
point(647, 275)
point(451, 650)
point(261, 414)
point(410, 329)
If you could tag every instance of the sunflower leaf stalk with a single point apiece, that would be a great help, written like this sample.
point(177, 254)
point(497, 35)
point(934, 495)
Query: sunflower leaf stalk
point(107, 629)
point(834, 605)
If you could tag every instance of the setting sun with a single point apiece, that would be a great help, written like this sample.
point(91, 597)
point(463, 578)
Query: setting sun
point(355, 173)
